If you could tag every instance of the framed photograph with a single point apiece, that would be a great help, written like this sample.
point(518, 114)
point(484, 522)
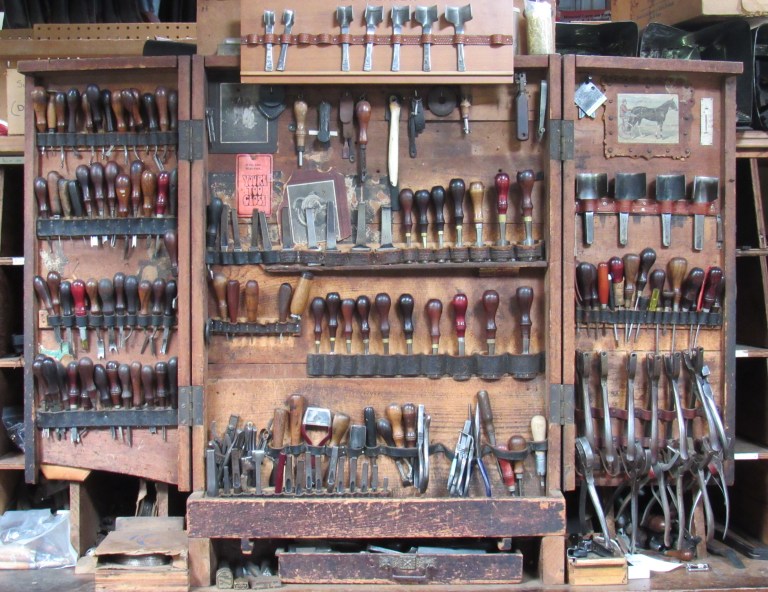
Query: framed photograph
point(315, 195)
point(649, 118)
point(238, 126)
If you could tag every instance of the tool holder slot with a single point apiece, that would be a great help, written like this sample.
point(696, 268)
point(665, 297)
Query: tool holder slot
point(460, 368)
point(135, 418)
point(106, 139)
point(256, 39)
point(393, 259)
point(648, 207)
point(120, 321)
point(646, 317)
point(82, 227)
point(277, 329)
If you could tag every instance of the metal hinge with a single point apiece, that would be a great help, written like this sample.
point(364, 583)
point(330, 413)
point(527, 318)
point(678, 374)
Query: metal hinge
point(191, 139)
point(190, 405)
point(561, 403)
point(560, 139)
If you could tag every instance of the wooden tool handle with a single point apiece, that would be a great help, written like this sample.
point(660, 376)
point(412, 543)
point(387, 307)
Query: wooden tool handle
point(395, 416)
point(297, 405)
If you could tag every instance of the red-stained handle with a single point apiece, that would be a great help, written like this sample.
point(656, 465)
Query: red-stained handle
point(526, 179)
point(347, 314)
point(406, 205)
point(163, 183)
point(460, 303)
point(78, 295)
point(434, 312)
point(502, 192)
point(711, 288)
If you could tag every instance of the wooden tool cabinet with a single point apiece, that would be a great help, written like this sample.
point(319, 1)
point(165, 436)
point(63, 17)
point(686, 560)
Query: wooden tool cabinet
point(251, 379)
point(150, 455)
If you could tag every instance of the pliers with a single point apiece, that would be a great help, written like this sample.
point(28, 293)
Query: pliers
point(478, 457)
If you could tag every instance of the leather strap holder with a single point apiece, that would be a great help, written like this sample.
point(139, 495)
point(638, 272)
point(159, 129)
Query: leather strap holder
point(494, 40)
point(105, 140)
point(645, 317)
point(79, 227)
point(520, 367)
point(216, 327)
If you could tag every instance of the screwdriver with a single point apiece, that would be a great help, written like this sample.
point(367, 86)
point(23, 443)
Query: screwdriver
point(524, 295)
point(422, 204)
point(384, 428)
point(438, 199)
point(457, 190)
point(501, 181)
point(676, 268)
point(486, 416)
point(300, 113)
point(284, 295)
point(708, 296)
point(690, 293)
point(586, 278)
point(434, 310)
point(317, 308)
point(525, 180)
point(490, 301)
point(476, 194)
point(406, 204)
point(616, 271)
point(539, 433)
point(363, 305)
point(656, 283)
point(81, 313)
point(460, 303)
point(383, 303)
point(333, 303)
point(252, 301)
point(603, 288)
point(363, 114)
point(347, 315)
point(405, 305)
point(631, 267)
point(517, 443)
point(647, 259)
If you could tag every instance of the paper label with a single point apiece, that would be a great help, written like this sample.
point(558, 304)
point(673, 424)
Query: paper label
point(707, 123)
point(254, 184)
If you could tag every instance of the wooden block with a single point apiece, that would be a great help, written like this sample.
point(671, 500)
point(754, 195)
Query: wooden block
point(552, 560)
point(59, 473)
point(201, 560)
point(604, 571)
point(83, 518)
point(149, 523)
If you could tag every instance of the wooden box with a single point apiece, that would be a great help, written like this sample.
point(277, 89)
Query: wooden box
point(164, 454)
point(606, 571)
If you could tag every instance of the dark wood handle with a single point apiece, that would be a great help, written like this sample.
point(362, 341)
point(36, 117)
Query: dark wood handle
point(163, 183)
point(161, 376)
point(438, 200)
point(50, 113)
point(363, 306)
point(525, 180)
point(363, 114)
point(434, 312)
point(486, 416)
point(92, 98)
point(406, 205)
point(43, 293)
point(524, 301)
point(171, 290)
point(170, 240)
point(158, 296)
point(39, 105)
point(405, 304)
point(54, 200)
point(213, 217)
point(161, 100)
point(333, 304)
point(136, 171)
point(173, 110)
point(54, 287)
point(83, 175)
point(107, 295)
point(233, 300)
point(115, 391)
point(106, 105)
point(383, 303)
point(145, 292)
point(150, 110)
point(490, 306)
point(409, 424)
point(284, 295)
point(317, 308)
point(40, 186)
point(148, 192)
point(73, 104)
point(460, 303)
point(347, 315)
point(124, 373)
point(116, 101)
point(60, 107)
point(92, 288)
point(97, 179)
point(123, 191)
point(138, 394)
point(148, 385)
point(102, 384)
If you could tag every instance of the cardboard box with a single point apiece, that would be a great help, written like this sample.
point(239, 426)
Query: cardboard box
point(14, 97)
point(672, 12)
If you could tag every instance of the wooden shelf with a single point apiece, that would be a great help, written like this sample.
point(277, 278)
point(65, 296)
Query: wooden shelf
point(13, 461)
point(744, 450)
point(751, 144)
point(11, 260)
point(11, 145)
point(14, 362)
point(751, 351)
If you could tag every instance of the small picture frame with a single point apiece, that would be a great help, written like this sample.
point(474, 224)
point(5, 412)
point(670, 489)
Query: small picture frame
point(237, 124)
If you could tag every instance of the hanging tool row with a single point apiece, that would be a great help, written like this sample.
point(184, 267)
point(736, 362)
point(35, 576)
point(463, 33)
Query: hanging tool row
point(96, 110)
point(612, 293)
point(104, 201)
point(428, 204)
point(400, 16)
point(670, 462)
point(83, 385)
point(123, 303)
point(235, 460)
point(228, 295)
point(592, 191)
point(330, 308)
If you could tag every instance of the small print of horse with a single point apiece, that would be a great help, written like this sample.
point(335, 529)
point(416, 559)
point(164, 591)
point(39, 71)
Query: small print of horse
point(648, 118)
